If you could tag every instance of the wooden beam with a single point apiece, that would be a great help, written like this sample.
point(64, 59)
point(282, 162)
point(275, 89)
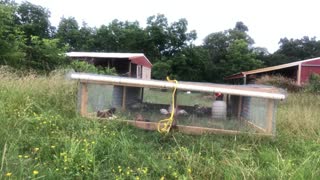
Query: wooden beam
point(124, 92)
point(189, 129)
point(239, 107)
point(129, 70)
point(269, 116)
point(84, 99)
point(299, 75)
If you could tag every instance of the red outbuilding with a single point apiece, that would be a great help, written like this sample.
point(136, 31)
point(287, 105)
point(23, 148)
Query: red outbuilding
point(135, 65)
point(299, 71)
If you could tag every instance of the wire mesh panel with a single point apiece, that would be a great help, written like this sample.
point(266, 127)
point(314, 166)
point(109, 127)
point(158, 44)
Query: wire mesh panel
point(98, 97)
point(259, 113)
point(197, 109)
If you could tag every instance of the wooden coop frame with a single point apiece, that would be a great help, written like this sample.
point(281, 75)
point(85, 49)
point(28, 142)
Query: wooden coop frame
point(270, 93)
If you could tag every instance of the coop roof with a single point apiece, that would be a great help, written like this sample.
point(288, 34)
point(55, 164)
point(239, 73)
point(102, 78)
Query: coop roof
point(267, 69)
point(135, 58)
point(241, 90)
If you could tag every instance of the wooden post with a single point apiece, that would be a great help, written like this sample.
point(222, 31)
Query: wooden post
point(124, 92)
point(124, 97)
point(142, 94)
point(299, 75)
point(269, 116)
point(129, 70)
point(84, 99)
point(239, 107)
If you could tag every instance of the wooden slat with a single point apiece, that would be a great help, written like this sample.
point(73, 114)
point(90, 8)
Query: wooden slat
point(269, 118)
point(84, 99)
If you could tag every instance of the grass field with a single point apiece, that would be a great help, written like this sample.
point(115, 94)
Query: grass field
point(42, 137)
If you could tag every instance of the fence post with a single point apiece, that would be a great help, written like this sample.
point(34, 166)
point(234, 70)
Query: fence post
point(84, 99)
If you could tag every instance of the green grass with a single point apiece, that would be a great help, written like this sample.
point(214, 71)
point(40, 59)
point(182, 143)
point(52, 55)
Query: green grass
point(42, 137)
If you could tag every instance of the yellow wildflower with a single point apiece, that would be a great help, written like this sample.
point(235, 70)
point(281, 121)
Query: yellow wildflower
point(175, 174)
point(36, 149)
point(162, 178)
point(189, 170)
point(35, 172)
point(53, 147)
point(8, 174)
point(20, 156)
point(26, 156)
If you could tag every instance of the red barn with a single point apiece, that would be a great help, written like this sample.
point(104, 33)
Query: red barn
point(299, 71)
point(135, 65)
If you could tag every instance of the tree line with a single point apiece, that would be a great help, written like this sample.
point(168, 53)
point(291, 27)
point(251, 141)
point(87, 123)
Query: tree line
point(29, 41)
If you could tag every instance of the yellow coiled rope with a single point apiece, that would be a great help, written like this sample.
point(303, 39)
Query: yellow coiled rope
point(165, 125)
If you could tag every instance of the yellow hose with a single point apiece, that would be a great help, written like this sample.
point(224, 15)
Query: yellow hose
point(165, 125)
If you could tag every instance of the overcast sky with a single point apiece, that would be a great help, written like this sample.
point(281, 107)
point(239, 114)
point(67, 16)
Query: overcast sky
point(267, 20)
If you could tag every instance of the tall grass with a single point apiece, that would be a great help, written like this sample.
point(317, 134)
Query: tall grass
point(42, 137)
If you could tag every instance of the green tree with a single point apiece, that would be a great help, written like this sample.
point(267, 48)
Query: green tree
point(34, 20)
point(68, 32)
point(157, 30)
point(240, 58)
point(167, 40)
point(11, 38)
point(291, 50)
point(87, 38)
point(121, 36)
point(44, 55)
point(230, 51)
point(161, 70)
point(189, 64)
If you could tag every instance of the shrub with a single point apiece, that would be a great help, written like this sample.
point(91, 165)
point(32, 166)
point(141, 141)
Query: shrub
point(83, 66)
point(314, 84)
point(280, 82)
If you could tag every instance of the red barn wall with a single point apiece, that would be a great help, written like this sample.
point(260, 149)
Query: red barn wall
point(307, 68)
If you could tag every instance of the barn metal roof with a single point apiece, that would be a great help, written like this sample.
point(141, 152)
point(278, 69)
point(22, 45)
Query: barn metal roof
point(241, 90)
point(272, 68)
point(136, 58)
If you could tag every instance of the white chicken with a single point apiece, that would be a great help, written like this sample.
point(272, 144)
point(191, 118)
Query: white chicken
point(177, 111)
point(164, 111)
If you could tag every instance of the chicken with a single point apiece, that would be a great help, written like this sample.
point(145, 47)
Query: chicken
point(106, 114)
point(164, 111)
point(182, 112)
point(200, 110)
point(177, 111)
point(139, 117)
